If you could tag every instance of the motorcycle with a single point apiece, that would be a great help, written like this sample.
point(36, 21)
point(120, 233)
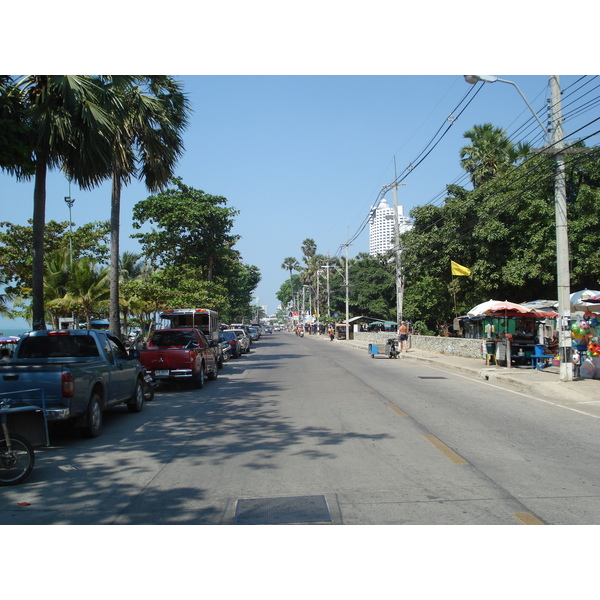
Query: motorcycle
point(149, 385)
point(226, 351)
point(392, 348)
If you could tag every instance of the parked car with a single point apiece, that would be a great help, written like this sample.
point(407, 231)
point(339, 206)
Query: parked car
point(79, 372)
point(230, 337)
point(254, 333)
point(244, 327)
point(245, 340)
point(181, 354)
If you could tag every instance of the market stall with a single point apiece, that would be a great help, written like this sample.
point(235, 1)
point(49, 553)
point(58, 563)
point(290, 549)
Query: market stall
point(585, 333)
point(515, 334)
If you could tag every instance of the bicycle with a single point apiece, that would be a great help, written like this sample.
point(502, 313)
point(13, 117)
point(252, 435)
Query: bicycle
point(23, 427)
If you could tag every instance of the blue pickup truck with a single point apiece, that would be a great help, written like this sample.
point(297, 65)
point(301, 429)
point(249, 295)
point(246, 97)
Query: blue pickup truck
point(80, 373)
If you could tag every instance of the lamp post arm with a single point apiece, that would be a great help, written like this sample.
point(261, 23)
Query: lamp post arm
point(526, 102)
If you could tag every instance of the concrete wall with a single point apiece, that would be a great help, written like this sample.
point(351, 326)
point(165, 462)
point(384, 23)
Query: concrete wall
point(469, 347)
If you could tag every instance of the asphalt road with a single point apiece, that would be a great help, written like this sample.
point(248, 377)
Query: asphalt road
point(307, 431)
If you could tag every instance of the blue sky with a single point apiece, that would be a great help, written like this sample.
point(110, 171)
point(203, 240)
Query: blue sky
point(306, 156)
point(299, 128)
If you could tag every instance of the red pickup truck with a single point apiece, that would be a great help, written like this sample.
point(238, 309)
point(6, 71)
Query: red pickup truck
point(180, 354)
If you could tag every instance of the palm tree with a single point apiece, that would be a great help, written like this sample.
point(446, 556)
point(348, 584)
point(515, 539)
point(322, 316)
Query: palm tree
point(130, 269)
point(130, 266)
point(89, 287)
point(291, 264)
point(490, 153)
point(68, 129)
point(309, 248)
point(146, 145)
point(4, 299)
point(56, 281)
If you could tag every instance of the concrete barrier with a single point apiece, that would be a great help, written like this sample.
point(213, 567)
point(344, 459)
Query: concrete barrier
point(467, 347)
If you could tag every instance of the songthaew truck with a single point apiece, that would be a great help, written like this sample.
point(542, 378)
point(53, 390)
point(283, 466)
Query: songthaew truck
point(204, 319)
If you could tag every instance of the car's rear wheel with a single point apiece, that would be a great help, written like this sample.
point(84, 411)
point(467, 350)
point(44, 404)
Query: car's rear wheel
point(199, 379)
point(136, 404)
point(215, 372)
point(93, 424)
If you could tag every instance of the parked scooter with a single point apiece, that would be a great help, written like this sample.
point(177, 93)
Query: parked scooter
point(392, 348)
point(226, 351)
point(149, 385)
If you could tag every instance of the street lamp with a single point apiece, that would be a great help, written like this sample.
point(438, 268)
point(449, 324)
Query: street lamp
point(473, 79)
point(560, 208)
point(70, 201)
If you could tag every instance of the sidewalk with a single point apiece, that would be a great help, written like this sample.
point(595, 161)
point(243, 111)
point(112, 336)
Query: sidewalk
point(582, 395)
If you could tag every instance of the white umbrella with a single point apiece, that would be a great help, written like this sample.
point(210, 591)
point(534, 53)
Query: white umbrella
point(543, 305)
point(479, 310)
point(578, 301)
point(496, 306)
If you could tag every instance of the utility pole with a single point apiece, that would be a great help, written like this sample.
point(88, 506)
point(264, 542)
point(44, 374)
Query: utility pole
point(557, 149)
point(398, 259)
point(347, 301)
point(327, 266)
point(562, 239)
point(397, 251)
point(318, 310)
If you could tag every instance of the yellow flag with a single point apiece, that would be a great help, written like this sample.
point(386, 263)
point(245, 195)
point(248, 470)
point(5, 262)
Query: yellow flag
point(459, 269)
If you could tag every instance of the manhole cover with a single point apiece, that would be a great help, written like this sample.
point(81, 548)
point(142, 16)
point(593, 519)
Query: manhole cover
point(272, 511)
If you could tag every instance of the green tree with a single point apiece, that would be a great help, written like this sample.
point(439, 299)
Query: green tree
point(192, 244)
point(190, 227)
point(16, 241)
point(4, 300)
point(56, 284)
point(244, 280)
point(490, 153)
point(285, 294)
point(504, 231)
point(16, 151)
point(309, 249)
point(372, 287)
point(88, 289)
point(291, 264)
point(69, 128)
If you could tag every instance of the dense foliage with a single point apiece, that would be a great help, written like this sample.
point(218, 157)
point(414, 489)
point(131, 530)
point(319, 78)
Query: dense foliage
point(118, 127)
point(192, 246)
point(503, 230)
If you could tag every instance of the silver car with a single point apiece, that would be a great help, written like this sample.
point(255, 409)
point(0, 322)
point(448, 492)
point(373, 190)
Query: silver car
point(244, 339)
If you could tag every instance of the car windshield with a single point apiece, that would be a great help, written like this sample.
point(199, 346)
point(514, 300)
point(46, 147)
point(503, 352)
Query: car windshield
point(59, 346)
point(173, 338)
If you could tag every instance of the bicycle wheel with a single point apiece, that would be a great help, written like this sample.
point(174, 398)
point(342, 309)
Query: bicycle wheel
point(15, 465)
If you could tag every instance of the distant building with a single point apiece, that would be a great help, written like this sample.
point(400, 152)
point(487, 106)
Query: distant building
point(381, 227)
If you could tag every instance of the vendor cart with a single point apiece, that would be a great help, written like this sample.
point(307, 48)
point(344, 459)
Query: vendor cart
point(390, 349)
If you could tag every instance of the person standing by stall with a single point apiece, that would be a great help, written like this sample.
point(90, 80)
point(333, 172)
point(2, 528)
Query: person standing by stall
point(403, 336)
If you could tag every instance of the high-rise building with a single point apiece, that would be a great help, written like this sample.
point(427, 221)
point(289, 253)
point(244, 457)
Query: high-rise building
point(381, 227)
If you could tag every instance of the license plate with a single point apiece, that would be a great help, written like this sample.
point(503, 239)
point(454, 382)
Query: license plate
point(161, 373)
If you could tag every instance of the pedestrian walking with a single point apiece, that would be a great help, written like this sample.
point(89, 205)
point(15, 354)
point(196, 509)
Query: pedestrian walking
point(403, 336)
point(331, 334)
